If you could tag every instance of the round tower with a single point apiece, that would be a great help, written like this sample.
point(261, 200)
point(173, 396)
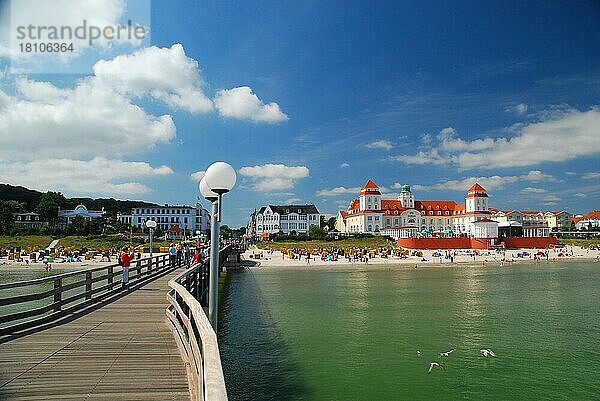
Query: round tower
point(406, 198)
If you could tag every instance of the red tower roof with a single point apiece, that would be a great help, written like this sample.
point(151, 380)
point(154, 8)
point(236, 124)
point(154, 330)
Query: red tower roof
point(476, 191)
point(371, 188)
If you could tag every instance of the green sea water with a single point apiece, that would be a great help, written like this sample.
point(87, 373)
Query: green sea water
point(349, 334)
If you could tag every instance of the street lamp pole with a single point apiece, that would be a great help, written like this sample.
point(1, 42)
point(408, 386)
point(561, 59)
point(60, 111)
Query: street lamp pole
point(219, 179)
point(151, 224)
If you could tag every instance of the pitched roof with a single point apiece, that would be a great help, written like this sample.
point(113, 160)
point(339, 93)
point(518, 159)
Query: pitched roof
point(286, 209)
point(476, 187)
point(370, 185)
point(435, 205)
point(593, 215)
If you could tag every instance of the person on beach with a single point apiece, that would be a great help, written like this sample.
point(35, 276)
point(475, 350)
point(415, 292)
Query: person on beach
point(308, 258)
point(126, 259)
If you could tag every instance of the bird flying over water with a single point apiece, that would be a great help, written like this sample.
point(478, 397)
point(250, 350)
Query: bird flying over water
point(435, 365)
point(487, 352)
point(418, 352)
point(443, 354)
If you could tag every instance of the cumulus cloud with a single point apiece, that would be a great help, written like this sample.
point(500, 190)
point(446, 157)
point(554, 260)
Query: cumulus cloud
point(100, 115)
point(580, 130)
point(380, 144)
point(344, 165)
point(95, 177)
point(490, 183)
point(165, 74)
point(86, 120)
point(591, 176)
point(292, 201)
point(197, 176)
point(531, 190)
point(272, 177)
point(339, 191)
point(241, 103)
point(520, 108)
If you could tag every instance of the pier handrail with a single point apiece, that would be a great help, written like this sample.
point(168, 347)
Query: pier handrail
point(70, 292)
point(194, 335)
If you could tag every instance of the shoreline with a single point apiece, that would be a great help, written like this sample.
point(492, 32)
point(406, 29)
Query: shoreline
point(275, 260)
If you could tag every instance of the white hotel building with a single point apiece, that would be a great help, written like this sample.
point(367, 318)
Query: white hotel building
point(167, 217)
point(273, 219)
point(406, 217)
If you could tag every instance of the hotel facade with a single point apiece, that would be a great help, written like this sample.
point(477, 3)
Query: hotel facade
point(169, 217)
point(272, 219)
point(406, 217)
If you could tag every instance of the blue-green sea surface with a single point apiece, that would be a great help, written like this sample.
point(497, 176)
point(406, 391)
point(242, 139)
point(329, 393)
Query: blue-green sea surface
point(348, 334)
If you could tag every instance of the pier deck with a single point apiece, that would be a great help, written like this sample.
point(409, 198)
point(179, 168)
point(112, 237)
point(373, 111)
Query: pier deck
point(121, 351)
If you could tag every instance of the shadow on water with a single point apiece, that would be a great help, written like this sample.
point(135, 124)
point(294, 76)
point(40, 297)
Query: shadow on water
point(257, 362)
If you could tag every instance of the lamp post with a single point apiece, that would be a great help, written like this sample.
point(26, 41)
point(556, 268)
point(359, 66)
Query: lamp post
point(151, 224)
point(219, 179)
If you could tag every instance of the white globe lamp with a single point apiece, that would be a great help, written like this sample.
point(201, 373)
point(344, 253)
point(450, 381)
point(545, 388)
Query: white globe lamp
point(206, 192)
point(220, 177)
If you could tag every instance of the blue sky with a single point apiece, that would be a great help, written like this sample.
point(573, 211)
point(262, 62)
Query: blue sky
point(433, 94)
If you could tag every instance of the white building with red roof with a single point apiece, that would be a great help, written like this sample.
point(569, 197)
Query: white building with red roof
point(406, 217)
point(590, 220)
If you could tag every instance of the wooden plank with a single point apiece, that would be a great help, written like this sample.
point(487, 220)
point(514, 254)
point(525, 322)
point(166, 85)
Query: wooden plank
point(122, 351)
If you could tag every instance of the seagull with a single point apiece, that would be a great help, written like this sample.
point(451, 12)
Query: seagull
point(487, 352)
point(435, 365)
point(443, 354)
point(418, 352)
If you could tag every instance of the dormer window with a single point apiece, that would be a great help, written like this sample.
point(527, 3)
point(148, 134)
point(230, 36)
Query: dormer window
point(299, 211)
point(287, 210)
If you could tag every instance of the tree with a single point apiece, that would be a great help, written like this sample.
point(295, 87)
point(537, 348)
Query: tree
point(7, 208)
point(6, 218)
point(49, 204)
point(316, 232)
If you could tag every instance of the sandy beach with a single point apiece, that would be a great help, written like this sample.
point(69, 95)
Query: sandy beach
point(272, 258)
point(84, 264)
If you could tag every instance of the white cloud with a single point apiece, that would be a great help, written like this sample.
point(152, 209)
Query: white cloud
point(272, 177)
point(380, 144)
point(339, 191)
point(87, 120)
point(520, 108)
point(490, 183)
point(243, 104)
point(292, 201)
point(559, 136)
point(580, 195)
point(531, 190)
point(96, 177)
point(166, 74)
point(591, 176)
point(551, 198)
point(197, 176)
point(344, 165)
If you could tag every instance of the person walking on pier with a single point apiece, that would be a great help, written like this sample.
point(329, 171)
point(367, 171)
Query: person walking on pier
point(172, 255)
point(126, 259)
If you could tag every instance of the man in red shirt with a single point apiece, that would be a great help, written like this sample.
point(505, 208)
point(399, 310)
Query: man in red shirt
point(126, 259)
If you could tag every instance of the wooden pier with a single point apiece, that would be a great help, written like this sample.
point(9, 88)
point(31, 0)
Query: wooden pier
point(121, 351)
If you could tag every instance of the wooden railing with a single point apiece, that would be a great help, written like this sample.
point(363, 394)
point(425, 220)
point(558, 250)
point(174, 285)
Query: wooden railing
point(32, 303)
point(195, 337)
